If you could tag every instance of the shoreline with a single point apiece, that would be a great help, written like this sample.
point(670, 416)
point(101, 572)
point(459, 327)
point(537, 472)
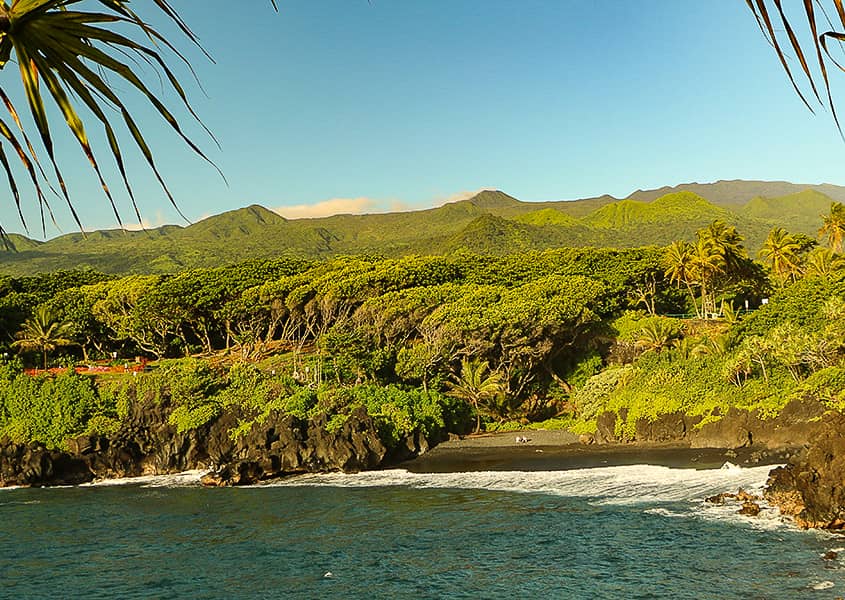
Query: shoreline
point(545, 450)
point(556, 451)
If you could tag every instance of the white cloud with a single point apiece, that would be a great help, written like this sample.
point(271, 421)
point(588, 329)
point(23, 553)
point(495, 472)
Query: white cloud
point(362, 205)
point(145, 223)
point(326, 208)
point(460, 196)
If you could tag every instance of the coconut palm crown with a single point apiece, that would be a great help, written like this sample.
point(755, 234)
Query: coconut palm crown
point(781, 252)
point(43, 332)
point(475, 385)
point(833, 226)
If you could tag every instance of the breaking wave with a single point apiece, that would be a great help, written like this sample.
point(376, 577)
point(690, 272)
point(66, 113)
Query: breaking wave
point(184, 479)
point(628, 484)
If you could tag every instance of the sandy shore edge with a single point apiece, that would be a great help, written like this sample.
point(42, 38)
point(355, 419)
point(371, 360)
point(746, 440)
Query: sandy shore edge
point(550, 450)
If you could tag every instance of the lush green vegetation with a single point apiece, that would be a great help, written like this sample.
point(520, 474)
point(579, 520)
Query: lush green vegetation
point(437, 343)
point(47, 409)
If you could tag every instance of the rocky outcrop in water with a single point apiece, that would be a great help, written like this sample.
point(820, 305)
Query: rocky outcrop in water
point(811, 488)
point(147, 444)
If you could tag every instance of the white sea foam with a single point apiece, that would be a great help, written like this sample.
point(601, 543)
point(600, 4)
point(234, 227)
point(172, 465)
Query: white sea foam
point(186, 478)
point(665, 512)
point(822, 585)
point(621, 484)
point(768, 519)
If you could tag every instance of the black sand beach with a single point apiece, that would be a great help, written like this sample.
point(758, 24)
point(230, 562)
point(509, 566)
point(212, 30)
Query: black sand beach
point(560, 450)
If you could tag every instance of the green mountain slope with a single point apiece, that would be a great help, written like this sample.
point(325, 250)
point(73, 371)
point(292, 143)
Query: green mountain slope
point(19, 243)
point(673, 216)
point(490, 234)
point(668, 210)
point(549, 217)
point(803, 210)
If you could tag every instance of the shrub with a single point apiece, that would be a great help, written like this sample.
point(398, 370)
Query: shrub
point(45, 409)
point(828, 385)
point(801, 304)
point(592, 398)
point(630, 325)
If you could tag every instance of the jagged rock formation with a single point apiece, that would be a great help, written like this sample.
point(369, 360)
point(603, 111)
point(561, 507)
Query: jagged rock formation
point(148, 444)
point(811, 488)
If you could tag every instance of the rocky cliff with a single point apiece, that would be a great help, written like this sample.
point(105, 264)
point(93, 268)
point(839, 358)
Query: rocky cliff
point(795, 424)
point(148, 443)
point(811, 488)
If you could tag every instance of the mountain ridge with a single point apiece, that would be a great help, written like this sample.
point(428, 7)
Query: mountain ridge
point(740, 191)
point(490, 222)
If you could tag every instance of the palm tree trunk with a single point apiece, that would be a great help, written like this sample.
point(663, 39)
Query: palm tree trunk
point(692, 297)
point(477, 417)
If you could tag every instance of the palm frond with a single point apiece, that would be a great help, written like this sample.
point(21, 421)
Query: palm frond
point(64, 55)
point(821, 30)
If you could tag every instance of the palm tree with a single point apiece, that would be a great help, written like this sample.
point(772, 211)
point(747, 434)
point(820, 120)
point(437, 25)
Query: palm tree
point(475, 385)
point(43, 332)
point(834, 226)
point(707, 262)
point(80, 58)
point(821, 262)
point(720, 259)
point(679, 266)
point(727, 242)
point(657, 336)
point(781, 250)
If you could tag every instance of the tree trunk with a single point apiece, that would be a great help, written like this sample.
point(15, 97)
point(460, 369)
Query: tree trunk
point(762, 364)
point(477, 417)
point(692, 297)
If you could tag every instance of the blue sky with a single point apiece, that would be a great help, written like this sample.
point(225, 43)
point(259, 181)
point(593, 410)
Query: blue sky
point(350, 106)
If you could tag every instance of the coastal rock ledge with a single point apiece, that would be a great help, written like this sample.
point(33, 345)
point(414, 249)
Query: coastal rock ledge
point(148, 444)
point(811, 488)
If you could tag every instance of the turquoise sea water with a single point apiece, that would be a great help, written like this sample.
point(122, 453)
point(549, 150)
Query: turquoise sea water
point(614, 532)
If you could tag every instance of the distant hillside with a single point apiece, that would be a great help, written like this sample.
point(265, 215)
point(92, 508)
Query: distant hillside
point(737, 192)
point(803, 210)
point(673, 216)
point(491, 222)
point(668, 210)
point(549, 216)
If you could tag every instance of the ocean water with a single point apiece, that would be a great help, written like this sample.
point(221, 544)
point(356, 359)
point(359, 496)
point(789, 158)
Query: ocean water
point(613, 532)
